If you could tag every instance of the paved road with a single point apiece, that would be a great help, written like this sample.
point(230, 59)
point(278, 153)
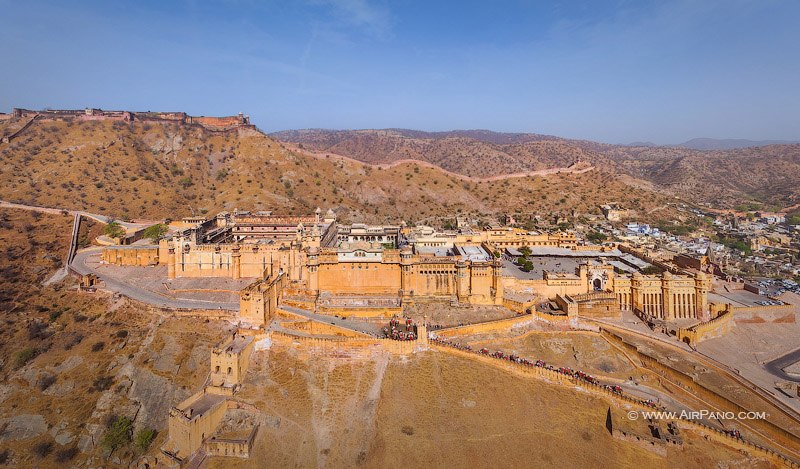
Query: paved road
point(85, 262)
point(776, 366)
point(365, 327)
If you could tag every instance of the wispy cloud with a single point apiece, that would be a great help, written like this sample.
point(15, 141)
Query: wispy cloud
point(373, 18)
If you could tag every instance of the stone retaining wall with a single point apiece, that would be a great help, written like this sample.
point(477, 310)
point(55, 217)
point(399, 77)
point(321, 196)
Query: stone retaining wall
point(689, 385)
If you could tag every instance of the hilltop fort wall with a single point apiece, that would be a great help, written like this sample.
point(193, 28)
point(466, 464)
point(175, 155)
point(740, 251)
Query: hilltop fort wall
point(90, 114)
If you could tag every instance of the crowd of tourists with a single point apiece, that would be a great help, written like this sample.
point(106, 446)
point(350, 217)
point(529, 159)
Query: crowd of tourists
point(577, 374)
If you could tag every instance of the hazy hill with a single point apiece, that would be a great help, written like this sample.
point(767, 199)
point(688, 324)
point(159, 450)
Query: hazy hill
point(767, 175)
point(729, 143)
point(166, 170)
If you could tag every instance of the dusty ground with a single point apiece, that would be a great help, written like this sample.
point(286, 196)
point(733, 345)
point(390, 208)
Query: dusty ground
point(435, 410)
point(442, 314)
point(154, 279)
point(749, 345)
point(578, 350)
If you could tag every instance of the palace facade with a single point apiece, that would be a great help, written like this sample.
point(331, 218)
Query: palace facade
point(358, 267)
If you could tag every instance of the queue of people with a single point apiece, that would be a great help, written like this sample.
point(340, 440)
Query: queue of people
point(577, 374)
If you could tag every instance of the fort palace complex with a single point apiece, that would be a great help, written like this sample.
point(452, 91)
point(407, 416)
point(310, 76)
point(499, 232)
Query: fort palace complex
point(376, 270)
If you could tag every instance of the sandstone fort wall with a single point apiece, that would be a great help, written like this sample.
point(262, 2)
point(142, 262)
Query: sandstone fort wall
point(689, 385)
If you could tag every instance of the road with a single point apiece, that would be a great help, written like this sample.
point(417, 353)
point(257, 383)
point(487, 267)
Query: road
point(358, 326)
point(84, 264)
point(776, 366)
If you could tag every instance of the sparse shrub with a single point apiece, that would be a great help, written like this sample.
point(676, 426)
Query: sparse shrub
point(155, 232)
point(114, 230)
point(4, 455)
point(42, 449)
point(118, 435)
point(144, 438)
point(24, 356)
point(46, 381)
point(102, 383)
point(65, 455)
point(73, 340)
point(98, 346)
point(121, 334)
point(38, 331)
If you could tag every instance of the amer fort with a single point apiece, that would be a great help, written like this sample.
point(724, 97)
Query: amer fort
point(312, 284)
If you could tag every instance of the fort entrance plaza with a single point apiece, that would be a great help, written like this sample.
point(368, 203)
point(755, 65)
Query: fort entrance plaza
point(312, 282)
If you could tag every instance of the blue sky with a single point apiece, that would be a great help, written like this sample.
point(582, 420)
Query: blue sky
point(613, 71)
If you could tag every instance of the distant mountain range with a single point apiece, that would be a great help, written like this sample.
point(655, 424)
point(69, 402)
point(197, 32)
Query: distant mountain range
point(730, 143)
point(724, 173)
point(718, 143)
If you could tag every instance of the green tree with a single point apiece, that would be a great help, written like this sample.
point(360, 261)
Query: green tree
point(118, 434)
point(596, 237)
point(114, 230)
point(525, 251)
point(155, 232)
point(144, 437)
point(527, 265)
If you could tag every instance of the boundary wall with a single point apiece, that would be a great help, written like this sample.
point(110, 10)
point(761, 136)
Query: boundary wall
point(688, 384)
point(393, 346)
point(716, 327)
point(483, 327)
point(598, 389)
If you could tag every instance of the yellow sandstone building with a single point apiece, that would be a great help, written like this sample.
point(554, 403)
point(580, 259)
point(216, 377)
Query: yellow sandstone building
point(375, 270)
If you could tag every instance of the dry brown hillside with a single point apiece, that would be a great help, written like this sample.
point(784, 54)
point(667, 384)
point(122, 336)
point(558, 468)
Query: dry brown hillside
point(71, 363)
point(166, 170)
point(766, 176)
point(471, 153)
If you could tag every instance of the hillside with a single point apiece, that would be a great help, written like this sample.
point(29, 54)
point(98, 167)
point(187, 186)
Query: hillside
point(155, 170)
point(729, 143)
point(766, 175)
point(71, 362)
point(470, 153)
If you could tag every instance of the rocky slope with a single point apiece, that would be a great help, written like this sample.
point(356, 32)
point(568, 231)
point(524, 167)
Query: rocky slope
point(165, 170)
point(767, 176)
